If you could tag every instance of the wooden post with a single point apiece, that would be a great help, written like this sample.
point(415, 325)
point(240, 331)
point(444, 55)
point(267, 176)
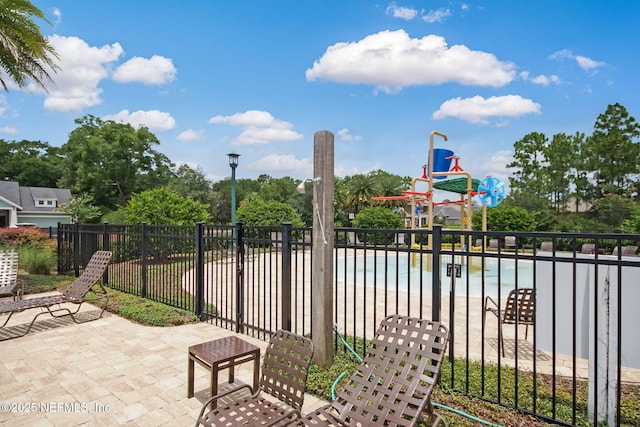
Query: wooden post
point(322, 247)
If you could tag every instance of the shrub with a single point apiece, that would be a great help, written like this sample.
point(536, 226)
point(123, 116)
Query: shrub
point(37, 259)
point(378, 218)
point(22, 236)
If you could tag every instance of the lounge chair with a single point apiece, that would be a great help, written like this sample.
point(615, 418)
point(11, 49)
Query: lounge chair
point(283, 376)
point(519, 310)
point(510, 242)
point(75, 294)
point(393, 384)
point(494, 244)
point(628, 250)
point(546, 247)
point(9, 274)
point(588, 248)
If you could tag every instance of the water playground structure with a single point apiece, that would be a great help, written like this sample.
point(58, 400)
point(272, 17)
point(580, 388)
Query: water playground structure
point(490, 190)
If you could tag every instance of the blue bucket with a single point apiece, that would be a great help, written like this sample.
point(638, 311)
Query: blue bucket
point(440, 161)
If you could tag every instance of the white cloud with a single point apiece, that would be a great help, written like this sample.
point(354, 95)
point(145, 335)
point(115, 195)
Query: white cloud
point(477, 110)
point(82, 67)
point(587, 64)
point(392, 60)
point(259, 127)
point(344, 135)
point(8, 129)
point(541, 79)
point(191, 135)
point(155, 71)
point(437, 15)
point(154, 120)
point(57, 14)
point(401, 12)
point(283, 163)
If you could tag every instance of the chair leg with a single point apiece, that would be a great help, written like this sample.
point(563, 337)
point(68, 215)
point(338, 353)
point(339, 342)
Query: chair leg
point(526, 331)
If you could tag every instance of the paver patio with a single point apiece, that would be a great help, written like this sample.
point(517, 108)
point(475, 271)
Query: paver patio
point(106, 372)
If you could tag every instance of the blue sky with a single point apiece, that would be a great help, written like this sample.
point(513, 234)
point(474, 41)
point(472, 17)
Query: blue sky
point(261, 77)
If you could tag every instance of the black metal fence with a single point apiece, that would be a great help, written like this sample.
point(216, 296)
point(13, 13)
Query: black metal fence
point(578, 363)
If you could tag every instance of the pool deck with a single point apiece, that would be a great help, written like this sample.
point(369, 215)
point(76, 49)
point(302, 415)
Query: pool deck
point(108, 371)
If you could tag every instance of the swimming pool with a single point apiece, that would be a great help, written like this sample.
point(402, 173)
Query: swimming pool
point(411, 272)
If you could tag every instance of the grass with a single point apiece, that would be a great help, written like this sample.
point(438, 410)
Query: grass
point(132, 307)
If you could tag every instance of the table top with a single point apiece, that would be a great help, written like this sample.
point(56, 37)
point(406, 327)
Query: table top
point(223, 349)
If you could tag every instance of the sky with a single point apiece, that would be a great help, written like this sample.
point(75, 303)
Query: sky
point(260, 78)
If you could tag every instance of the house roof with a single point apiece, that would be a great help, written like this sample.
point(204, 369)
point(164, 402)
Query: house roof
point(24, 198)
point(10, 191)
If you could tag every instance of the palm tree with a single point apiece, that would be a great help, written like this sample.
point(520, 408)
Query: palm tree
point(360, 189)
point(25, 54)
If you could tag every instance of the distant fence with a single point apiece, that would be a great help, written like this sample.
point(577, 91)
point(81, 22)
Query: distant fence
point(581, 352)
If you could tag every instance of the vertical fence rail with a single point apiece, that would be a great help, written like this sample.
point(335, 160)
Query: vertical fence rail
point(239, 227)
point(286, 249)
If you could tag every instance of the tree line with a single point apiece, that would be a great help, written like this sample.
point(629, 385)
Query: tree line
point(566, 182)
point(581, 182)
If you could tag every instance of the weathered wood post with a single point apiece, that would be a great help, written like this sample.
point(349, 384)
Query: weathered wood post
point(322, 247)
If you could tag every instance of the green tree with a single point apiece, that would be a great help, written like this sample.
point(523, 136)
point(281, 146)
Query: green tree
point(278, 189)
point(81, 209)
point(221, 200)
point(30, 163)
point(257, 211)
point(378, 218)
point(112, 161)
point(506, 217)
point(163, 207)
point(360, 189)
point(560, 172)
point(25, 54)
point(612, 210)
point(529, 162)
point(190, 182)
point(389, 184)
point(612, 152)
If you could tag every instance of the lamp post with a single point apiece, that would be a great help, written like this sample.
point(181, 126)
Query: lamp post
point(233, 162)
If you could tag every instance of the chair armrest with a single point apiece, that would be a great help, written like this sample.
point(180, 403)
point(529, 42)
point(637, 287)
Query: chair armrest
point(486, 303)
point(218, 396)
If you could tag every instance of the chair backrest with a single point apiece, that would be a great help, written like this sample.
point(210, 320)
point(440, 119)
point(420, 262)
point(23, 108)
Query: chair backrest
point(510, 241)
point(521, 306)
point(588, 248)
point(8, 267)
point(546, 246)
point(90, 276)
point(629, 250)
point(285, 367)
point(393, 384)
point(494, 243)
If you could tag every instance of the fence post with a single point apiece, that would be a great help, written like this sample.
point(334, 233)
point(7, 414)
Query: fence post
point(436, 271)
point(105, 246)
point(239, 227)
point(76, 249)
point(286, 276)
point(61, 254)
point(199, 269)
point(144, 269)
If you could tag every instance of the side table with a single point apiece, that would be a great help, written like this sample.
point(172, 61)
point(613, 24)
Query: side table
point(223, 353)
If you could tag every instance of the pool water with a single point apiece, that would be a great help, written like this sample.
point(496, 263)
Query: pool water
point(411, 272)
